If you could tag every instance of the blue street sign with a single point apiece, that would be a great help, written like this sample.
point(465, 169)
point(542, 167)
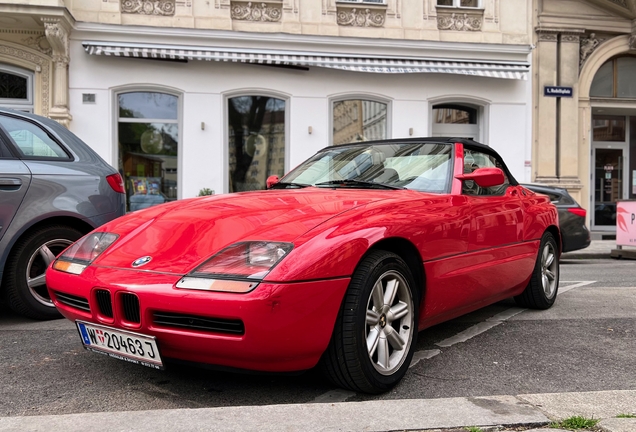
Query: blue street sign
point(555, 91)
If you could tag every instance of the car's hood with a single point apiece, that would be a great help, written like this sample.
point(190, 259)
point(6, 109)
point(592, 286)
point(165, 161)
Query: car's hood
point(180, 235)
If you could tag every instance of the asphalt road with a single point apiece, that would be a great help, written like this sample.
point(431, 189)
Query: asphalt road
point(586, 342)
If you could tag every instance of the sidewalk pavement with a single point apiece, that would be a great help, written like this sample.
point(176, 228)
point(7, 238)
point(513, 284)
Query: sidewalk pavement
point(597, 249)
point(488, 413)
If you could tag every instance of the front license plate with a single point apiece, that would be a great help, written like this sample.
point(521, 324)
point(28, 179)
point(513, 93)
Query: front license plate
point(120, 344)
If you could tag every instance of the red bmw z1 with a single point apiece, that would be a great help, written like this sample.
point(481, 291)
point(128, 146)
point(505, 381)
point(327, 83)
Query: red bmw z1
point(340, 263)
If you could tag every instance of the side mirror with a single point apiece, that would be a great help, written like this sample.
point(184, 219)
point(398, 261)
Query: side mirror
point(271, 181)
point(485, 177)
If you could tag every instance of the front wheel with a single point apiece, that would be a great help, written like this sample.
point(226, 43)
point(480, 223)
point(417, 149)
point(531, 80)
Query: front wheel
point(376, 330)
point(542, 290)
point(24, 279)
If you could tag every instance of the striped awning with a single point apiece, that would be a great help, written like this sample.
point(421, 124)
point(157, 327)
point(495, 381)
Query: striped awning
point(355, 63)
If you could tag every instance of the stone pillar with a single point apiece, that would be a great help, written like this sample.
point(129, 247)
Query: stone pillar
point(568, 145)
point(57, 35)
point(545, 138)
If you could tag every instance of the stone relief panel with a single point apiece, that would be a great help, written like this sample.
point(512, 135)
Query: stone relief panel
point(148, 7)
point(459, 21)
point(38, 42)
point(356, 17)
point(587, 46)
point(256, 11)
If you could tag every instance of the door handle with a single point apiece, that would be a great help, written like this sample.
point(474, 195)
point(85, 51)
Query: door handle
point(10, 184)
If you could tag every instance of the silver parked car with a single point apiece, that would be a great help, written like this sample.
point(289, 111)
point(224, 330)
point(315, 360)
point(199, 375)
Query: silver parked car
point(53, 189)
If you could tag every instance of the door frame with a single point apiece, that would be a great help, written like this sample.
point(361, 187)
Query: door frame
point(609, 145)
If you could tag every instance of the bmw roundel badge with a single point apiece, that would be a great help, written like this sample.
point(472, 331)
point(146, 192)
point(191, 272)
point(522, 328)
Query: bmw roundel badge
point(141, 261)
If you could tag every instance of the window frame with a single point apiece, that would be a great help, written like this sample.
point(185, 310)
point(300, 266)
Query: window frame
point(615, 78)
point(362, 97)
point(226, 131)
point(457, 5)
point(367, 2)
point(141, 88)
point(19, 104)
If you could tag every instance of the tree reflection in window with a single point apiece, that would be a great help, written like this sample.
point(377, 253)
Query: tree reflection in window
point(148, 133)
point(256, 141)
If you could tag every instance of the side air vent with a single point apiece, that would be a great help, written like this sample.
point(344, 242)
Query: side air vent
point(214, 325)
point(73, 301)
point(104, 302)
point(130, 304)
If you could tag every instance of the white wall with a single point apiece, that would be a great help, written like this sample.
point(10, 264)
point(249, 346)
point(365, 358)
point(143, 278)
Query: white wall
point(205, 85)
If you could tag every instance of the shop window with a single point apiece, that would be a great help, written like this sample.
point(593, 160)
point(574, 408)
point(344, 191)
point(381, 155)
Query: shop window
point(356, 120)
point(16, 88)
point(608, 128)
point(615, 79)
point(148, 136)
point(256, 133)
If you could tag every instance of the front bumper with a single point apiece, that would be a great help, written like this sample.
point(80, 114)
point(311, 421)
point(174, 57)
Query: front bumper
point(287, 326)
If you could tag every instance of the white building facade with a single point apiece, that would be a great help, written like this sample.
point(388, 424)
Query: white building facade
point(187, 95)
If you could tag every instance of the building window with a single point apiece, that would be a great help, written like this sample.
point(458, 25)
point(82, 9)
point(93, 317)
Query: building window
point(357, 120)
point(16, 88)
point(460, 3)
point(615, 79)
point(456, 120)
point(363, 1)
point(256, 133)
point(148, 137)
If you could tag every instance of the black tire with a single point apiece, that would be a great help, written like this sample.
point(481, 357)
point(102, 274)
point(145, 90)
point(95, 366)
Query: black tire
point(543, 287)
point(347, 362)
point(29, 259)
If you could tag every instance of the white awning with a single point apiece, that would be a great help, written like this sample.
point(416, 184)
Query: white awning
point(355, 63)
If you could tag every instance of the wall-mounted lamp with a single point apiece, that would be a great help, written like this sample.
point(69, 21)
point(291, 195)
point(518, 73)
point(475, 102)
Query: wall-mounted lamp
point(410, 131)
point(310, 130)
point(202, 125)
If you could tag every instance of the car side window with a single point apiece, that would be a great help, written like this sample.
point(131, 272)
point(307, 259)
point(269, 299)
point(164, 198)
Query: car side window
point(473, 160)
point(31, 141)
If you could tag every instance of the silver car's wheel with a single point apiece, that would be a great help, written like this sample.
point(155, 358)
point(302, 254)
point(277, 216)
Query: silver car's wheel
point(36, 269)
point(24, 278)
point(543, 287)
point(376, 330)
point(389, 322)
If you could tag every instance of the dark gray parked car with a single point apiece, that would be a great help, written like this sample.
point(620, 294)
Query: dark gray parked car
point(574, 233)
point(53, 190)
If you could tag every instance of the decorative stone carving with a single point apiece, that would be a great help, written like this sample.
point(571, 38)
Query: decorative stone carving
point(39, 43)
point(620, 3)
point(572, 38)
point(547, 36)
point(40, 64)
point(587, 47)
point(459, 22)
point(57, 36)
point(361, 17)
point(632, 38)
point(148, 7)
point(256, 11)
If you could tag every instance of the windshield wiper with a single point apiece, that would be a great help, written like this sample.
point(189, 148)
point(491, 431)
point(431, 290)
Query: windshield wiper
point(285, 185)
point(357, 183)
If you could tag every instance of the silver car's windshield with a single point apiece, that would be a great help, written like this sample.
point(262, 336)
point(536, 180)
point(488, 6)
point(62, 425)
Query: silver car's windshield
point(424, 167)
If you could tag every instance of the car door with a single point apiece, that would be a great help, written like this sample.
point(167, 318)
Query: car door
point(15, 178)
point(495, 243)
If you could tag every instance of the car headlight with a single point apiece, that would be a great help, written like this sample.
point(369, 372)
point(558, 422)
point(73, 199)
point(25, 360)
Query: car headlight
point(237, 268)
point(83, 252)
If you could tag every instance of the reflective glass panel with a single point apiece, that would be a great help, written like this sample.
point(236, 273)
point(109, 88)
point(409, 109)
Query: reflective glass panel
point(626, 87)
point(148, 105)
point(256, 141)
point(32, 141)
point(608, 128)
point(603, 83)
point(358, 120)
point(13, 86)
point(448, 114)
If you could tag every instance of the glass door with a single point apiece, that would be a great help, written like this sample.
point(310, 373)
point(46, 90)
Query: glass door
point(608, 186)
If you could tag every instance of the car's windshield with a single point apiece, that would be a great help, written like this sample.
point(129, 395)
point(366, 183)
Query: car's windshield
point(424, 167)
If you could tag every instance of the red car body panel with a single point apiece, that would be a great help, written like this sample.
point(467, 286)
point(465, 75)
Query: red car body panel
point(473, 251)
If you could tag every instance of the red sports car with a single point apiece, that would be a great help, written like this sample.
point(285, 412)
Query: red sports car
point(340, 262)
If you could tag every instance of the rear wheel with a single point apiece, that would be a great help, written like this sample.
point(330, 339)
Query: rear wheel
point(24, 279)
point(542, 290)
point(376, 330)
